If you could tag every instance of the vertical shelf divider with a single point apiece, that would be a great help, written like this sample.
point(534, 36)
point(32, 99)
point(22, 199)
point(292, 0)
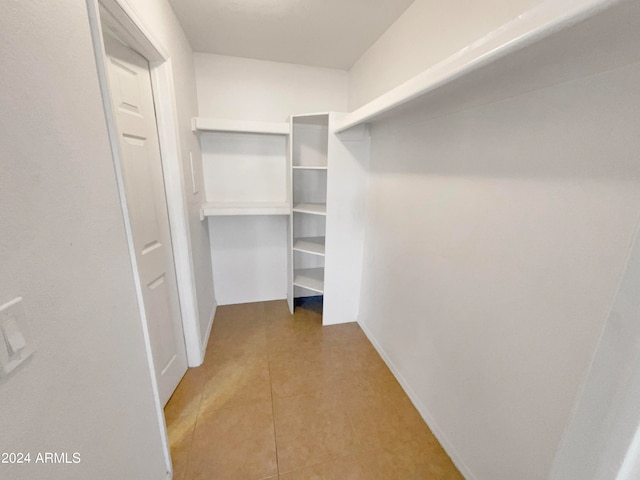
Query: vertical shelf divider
point(308, 149)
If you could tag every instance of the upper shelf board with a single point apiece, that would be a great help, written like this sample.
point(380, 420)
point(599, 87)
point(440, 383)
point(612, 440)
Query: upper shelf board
point(215, 209)
point(312, 245)
point(317, 119)
point(310, 208)
point(309, 278)
point(201, 124)
point(554, 42)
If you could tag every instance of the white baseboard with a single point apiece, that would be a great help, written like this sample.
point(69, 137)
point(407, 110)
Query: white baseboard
point(421, 407)
point(205, 339)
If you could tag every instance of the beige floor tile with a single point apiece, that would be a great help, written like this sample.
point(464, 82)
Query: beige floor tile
point(244, 311)
point(372, 392)
point(234, 443)
point(321, 394)
point(376, 383)
point(239, 328)
point(348, 335)
point(297, 372)
point(234, 345)
point(311, 429)
point(305, 405)
point(236, 380)
point(384, 421)
point(286, 332)
point(180, 433)
point(357, 466)
point(276, 309)
point(185, 401)
point(293, 333)
point(415, 461)
point(356, 361)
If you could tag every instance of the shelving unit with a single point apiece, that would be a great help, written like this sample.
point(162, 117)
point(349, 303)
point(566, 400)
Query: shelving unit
point(326, 228)
point(309, 170)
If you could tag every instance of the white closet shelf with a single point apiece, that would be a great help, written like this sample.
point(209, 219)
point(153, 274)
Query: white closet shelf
point(551, 43)
point(310, 278)
point(318, 167)
point(311, 208)
point(312, 245)
point(320, 119)
point(214, 209)
point(202, 124)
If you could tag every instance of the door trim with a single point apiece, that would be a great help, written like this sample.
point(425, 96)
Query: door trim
point(123, 20)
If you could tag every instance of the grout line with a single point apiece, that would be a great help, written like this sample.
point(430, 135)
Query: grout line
point(273, 408)
point(195, 425)
point(185, 470)
point(188, 440)
point(273, 415)
point(355, 432)
point(199, 411)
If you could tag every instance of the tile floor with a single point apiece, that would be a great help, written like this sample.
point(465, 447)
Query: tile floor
point(281, 397)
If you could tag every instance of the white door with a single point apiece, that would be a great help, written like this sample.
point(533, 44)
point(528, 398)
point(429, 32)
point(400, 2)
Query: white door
point(132, 101)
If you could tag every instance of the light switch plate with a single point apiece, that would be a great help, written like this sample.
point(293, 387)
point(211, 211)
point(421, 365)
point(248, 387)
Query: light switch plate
point(13, 323)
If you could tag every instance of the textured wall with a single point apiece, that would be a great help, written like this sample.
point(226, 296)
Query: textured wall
point(245, 89)
point(87, 389)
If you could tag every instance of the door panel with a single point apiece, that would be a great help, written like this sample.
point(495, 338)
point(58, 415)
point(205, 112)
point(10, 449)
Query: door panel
point(132, 100)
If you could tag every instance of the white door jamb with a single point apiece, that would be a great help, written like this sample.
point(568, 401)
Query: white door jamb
point(125, 22)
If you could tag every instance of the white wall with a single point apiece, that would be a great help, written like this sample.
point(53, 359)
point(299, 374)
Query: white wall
point(607, 418)
point(244, 89)
point(240, 167)
point(495, 240)
point(250, 254)
point(250, 258)
point(159, 18)
point(348, 168)
point(63, 248)
point(426, 33)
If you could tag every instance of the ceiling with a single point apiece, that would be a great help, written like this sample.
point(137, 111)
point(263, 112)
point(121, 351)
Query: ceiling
point(323, 33)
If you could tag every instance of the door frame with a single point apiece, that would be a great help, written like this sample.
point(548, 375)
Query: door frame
point(120, 17)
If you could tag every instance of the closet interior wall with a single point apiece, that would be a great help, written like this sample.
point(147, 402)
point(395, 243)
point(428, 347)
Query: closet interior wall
point(497, 233)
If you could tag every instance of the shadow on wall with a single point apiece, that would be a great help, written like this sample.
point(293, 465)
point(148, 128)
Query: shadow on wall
point(513, 112)
point(581, 129)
